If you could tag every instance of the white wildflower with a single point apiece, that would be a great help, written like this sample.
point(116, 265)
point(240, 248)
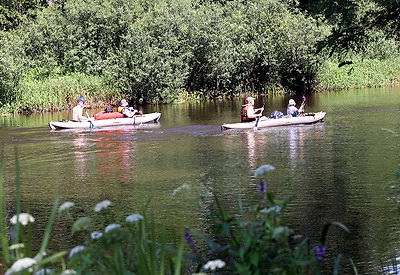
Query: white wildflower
point(102, 205)
point(68, 272)
point(96, 235)
point(134, 218)
point(277, 209)
point(20, 265)
point(44, 271)
point(263, 169)
point(16, 246)
point(76, 250)
point(111, 227)
point(66, 205)
point(212, 265)
point(23, 218)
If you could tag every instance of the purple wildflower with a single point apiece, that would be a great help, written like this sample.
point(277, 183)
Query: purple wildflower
point(262, 186)
point(191, 242)
point(320, 251)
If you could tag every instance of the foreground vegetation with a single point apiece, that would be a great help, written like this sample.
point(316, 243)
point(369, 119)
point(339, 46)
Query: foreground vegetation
point(261, 244)
point(51, 52)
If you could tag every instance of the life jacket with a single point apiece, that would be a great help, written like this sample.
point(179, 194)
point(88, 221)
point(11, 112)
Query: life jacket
point(243, 115)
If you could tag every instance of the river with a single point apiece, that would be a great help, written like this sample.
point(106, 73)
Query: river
point(340, 170)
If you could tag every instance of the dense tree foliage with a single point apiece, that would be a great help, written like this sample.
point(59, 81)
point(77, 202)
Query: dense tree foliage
point(12, 12)
point(153, 51)
point(355, 22)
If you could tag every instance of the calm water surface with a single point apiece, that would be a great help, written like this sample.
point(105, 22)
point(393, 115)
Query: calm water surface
point(340, 170)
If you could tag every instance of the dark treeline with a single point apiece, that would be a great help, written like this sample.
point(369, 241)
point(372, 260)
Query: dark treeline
point(160, 51)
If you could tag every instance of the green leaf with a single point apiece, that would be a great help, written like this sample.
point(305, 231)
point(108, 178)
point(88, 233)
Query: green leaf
point(83, 223)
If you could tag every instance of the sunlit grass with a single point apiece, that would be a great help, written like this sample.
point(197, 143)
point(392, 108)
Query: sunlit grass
point(56, 92)
point(361, 73)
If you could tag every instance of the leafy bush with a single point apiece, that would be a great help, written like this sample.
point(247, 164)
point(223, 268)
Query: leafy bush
point(153, 51)
point(12, 65)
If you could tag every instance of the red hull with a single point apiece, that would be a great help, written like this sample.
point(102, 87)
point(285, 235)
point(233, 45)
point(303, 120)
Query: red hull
point(103, 115)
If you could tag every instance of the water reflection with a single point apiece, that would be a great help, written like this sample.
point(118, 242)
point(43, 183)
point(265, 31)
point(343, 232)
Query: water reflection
point(297, 141)
point(254, 142)
point(116, 155)
point(80, 144)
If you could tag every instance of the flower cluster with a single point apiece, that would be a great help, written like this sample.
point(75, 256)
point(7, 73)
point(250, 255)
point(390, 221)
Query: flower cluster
point(191, 242)
point(20, 265)
point(134, 218)
point(66, 205)
point(212, 265)
point(101, 205)
point(112, 227)
point(23, 218)
point(96, 235)
point(320, 251)
point(76, 250)
point(262, 186)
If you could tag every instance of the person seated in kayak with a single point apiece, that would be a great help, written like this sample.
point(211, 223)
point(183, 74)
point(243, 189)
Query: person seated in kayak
point(248, 112)
point(77, 111)
point(125, 109)
point(292, 110)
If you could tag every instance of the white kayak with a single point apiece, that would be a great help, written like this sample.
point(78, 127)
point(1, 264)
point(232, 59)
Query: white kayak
point(271, 122)
point(138, 119)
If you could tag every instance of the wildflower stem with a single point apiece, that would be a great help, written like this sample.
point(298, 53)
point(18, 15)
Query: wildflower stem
point(118, 260)
point(50, 224)
point(178, 263)
point(17, 198)
point(3, 228)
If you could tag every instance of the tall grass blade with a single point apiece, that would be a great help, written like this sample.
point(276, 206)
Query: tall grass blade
point(47, 233)
point(17, 197)
point(336, 265)
point(354, 267)
point(162, 256)
point(52, 259)
point(3, 229)
point(178, 261)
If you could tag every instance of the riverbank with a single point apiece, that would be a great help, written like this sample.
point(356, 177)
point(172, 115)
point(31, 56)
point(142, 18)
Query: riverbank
point(58, 92)
point(359, 73)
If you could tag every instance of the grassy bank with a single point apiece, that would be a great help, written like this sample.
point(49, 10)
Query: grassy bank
point(360, 73)
point(60, 93)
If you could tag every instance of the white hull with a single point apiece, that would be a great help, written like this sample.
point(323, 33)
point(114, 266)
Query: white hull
point(145, 118)
point(272, 122)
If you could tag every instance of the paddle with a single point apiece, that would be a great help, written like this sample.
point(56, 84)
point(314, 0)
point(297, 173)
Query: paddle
point(302, 107)
point(91, 123)
point(303, 103)
point(258, 118)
